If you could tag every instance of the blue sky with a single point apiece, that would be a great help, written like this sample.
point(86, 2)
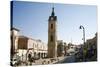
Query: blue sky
point(31, 18)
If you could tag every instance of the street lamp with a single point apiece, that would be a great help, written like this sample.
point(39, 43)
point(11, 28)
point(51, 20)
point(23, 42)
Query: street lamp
point(81, 27)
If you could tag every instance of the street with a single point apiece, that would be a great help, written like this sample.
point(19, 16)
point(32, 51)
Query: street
point(68, 59)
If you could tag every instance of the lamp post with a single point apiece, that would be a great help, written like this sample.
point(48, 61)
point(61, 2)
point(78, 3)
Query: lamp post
point(81, 27)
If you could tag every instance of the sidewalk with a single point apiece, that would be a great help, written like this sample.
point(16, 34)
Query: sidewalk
point(45, 61)
point(48, 61)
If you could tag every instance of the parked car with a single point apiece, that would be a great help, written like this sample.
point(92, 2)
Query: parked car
point(15, 60)
point(79, 56)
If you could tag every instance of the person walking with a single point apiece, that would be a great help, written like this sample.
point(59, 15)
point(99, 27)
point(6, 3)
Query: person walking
point(29, 58)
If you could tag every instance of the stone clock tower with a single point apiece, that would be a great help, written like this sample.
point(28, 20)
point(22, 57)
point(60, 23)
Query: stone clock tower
point(52, 37)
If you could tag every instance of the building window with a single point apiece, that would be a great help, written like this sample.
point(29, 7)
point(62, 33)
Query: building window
point(33, 45)
point(51, 26)
point(51, 38)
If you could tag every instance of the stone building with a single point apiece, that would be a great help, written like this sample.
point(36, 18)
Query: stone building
point(36, 48)
point(52, 35)
point(92, 42)
point(91, 48)
point(14, 40)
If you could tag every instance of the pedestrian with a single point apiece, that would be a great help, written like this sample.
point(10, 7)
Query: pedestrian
point(29, 58)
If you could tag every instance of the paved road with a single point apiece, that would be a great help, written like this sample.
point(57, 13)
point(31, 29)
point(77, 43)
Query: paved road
point(68, 59)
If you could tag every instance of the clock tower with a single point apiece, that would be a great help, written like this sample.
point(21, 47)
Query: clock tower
point(52, 37)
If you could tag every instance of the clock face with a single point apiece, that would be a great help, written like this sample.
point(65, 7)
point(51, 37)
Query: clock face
point(51, 18)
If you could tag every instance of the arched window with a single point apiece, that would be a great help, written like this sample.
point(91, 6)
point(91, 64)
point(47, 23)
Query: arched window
point(51, 26)
point(51, 38)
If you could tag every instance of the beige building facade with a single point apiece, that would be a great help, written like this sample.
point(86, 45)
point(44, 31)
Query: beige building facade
point(36, 48)
point(22, 46)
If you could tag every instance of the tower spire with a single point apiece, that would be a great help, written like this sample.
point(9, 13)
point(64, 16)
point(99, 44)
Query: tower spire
point(53, 13)
point(52, 17)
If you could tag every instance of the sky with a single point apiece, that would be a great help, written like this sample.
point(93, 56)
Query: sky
point(31, 18)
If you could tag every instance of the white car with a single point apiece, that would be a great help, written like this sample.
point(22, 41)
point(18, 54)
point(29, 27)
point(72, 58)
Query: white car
point(71, 51)
point(15, 60)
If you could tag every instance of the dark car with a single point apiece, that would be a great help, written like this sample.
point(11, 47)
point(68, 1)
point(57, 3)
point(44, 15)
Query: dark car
point(79, 56)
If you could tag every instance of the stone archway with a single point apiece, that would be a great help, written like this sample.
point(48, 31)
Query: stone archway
point(39, 55)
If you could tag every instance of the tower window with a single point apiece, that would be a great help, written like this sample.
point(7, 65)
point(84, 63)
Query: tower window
point(51, 26)
point(51, 38)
